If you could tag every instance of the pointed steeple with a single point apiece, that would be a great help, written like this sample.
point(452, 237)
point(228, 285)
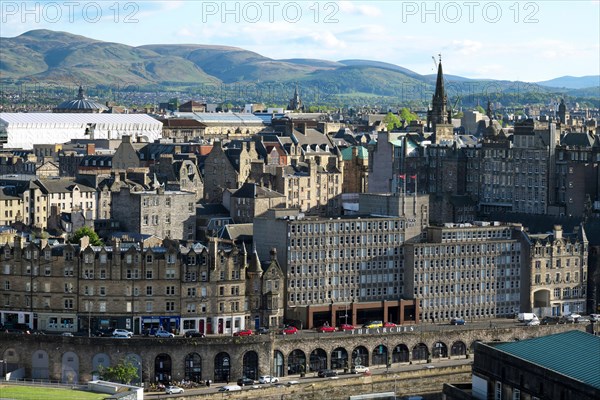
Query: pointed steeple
point(80, 95)
point(489, 112)
point(439, 83)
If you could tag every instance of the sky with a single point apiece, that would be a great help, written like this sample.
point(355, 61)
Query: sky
point(510, 40)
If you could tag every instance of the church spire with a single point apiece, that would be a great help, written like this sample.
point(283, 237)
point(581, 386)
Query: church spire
point(439, 103)
point(439, 83)
point(80, 95)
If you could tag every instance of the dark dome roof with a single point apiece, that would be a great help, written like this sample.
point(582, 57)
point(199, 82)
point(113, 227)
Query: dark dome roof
point(80, 103)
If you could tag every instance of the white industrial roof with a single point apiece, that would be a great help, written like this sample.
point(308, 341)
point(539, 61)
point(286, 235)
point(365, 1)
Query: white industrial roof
point(233, 118)
point(77, 119)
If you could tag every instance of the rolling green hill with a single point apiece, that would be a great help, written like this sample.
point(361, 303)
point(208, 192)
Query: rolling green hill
point(45, 56)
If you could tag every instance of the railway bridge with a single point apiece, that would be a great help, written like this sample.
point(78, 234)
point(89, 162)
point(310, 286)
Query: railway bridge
point(224, 358)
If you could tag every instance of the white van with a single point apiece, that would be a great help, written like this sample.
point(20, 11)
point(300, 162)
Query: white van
point(230, 388)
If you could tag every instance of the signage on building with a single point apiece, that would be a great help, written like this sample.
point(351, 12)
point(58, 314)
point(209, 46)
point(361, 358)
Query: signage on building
point(392, 329)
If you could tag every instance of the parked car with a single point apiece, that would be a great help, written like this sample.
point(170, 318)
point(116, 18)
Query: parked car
point(230, 388)
point(326, 328)
point(173, 390)
point(373, 324)
point(267, 379)
point(67, 334)
point(164, 334)
point(327, 373)
point(533, 322)
point(193, 333)
point(289, 330)
point(262, 331)
point(457, 321)
point(104, 332)
point(346, 327)
point(572, 318)
point(122, 333)
point(388, 324)
point(245, 381)
point(244, 332)
point(583, 320)
point(594, 317)
point(359, 369)
point(549, 320)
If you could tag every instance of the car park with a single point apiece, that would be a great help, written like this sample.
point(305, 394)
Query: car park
point(267, 379)
point(164, 334)
point(359, 369)
point(457, 321)
point(327, 373)
point(173, 390)
point(289, 330)
point(244, 332)
point(373, 324)
point(122, 333)
point(245, 381)
point(326, 328)
point(193, 333)
point(346, 327)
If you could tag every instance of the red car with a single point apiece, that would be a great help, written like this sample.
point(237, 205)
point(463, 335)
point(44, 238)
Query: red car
point(346, 327)
point(290, 330)
point(389, 325)
point(245, 332)
point(326, 328)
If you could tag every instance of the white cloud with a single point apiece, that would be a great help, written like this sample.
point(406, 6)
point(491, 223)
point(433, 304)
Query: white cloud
point(360, 9)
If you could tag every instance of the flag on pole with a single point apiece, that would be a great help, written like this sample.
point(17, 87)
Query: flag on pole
point(413, 177)
point(402, 176)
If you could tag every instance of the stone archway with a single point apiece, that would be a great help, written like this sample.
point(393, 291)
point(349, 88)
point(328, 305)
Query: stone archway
point(278, 364)
point(193, 367)
point(99, 361)
point(318, 360)
point(163, 368)
point(420, 352)
point(40, 365)
point(222, 367)
point(70, 368)
point(339, 358)
point(439, 350)
point(541, 298)
point(360, 356)
point(400, 354)
point(296, 362)
point(250, 365)
point(458, 349)
point(380, 355)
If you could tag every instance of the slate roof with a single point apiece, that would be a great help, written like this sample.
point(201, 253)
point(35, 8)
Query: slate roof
point(579, 139)
point(252, 190)
point(363, 153)
point(574, 354)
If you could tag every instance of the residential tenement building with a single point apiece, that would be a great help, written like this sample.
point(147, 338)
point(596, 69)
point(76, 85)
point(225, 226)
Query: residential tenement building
point(215, 289)
point(163, 213)
point(557, 278)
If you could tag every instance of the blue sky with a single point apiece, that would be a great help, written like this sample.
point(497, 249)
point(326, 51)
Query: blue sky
point(513, 40)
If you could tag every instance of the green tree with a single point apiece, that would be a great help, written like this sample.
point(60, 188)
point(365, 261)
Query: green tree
point(391, 121)
point(407, 115)
point(123, 372)
point(86, 231)
point(480, 109)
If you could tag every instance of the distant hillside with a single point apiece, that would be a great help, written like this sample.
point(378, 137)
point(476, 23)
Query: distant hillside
point(45, 56)
point(573, 82)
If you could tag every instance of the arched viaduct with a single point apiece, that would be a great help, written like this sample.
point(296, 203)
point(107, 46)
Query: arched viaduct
point(222, 359)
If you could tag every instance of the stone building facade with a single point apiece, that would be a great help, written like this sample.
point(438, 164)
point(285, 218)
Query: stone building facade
point(557, 278)
point(163, 213)
point(465, 271)
point(70, 288)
